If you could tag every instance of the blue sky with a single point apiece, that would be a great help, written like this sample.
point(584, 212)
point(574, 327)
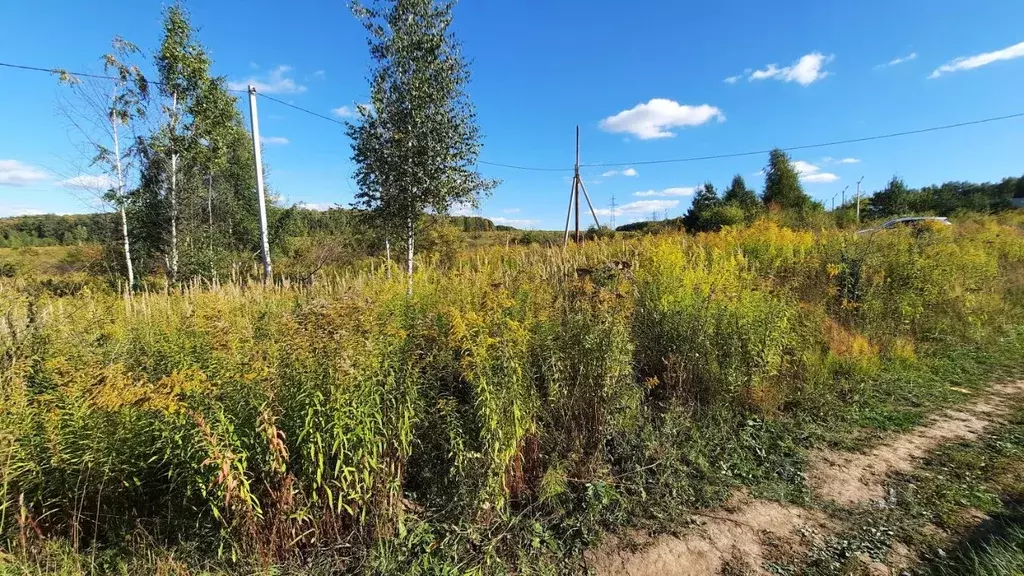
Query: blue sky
point(645, 81)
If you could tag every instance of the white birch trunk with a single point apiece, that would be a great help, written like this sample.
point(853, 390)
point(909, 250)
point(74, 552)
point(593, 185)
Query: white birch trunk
point(121, 201)
point(174, 191)
point(410, 244)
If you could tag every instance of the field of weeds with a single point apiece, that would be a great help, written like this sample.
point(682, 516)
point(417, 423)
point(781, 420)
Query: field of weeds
point(520, 403)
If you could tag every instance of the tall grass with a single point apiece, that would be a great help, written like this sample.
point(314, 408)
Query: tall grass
point(522, 399)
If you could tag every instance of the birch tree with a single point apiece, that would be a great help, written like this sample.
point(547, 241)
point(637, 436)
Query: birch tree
point(106, 115)
point(415, 146)
point(183, 66)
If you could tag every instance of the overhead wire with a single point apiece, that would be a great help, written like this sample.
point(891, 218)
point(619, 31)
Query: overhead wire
point(87, 74)
point(596, 164)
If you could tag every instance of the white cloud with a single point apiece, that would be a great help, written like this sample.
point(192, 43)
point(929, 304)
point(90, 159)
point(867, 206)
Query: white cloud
point(806, 70)
point(273, 140)
point(680, 191)
point(343, 112)
point(514, 222)
point(653, 119)
point(319, 73)
point(640, 207)
point(850, 161)
point(89, 182)
point(626, 172)
point(314, 206)
point(15, 173)
point(979, 60)
point(6, 212)
point(511, 210)
point(461, 210)
point(900, 60)
point(276, 82)
point(810, 173)
point(733, 79)
point(831, 160)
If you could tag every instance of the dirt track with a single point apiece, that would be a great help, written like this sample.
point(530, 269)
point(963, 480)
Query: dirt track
point(746, 527)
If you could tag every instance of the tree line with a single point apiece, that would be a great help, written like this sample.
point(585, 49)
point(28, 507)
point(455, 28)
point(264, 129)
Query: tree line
point(783, 193)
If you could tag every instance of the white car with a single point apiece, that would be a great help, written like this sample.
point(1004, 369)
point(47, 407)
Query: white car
point(908, 221)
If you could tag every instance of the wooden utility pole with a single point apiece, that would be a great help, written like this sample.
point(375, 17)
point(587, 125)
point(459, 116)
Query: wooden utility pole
point(574, 198)
point(268, 275)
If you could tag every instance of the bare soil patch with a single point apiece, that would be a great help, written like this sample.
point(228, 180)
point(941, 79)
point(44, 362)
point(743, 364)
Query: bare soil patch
point(745, 529)
point(852, 478)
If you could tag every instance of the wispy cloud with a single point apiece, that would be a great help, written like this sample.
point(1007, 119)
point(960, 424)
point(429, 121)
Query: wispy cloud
point(514, 222)
point(511, 211)
point(343, 112)
point(831, 160)
point(315, 206)
point(900, 60)
point(626, 172)
point(810, 173)
point(15, 173)
point(805, 71)
point(979, 60)
point(89, 182)
point(655, 118)
point(319, 74)
point(733, 79)
point(680, 191)
point(639, 207)
point(462, 209)
point(274, 140)
point(7, 212)
point(275, 82)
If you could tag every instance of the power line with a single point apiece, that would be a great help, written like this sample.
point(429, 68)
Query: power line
point(809, 146)
point(301, 109)
point(87, 75)
point(766, 151)
point(513, 166)
point(57, 71)
point(600, 164)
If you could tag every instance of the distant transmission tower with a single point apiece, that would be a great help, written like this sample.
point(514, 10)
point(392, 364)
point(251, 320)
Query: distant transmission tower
point(613, 211)
point(574, 198)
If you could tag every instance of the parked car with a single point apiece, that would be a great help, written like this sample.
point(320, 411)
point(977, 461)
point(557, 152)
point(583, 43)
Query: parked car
point(909, 221)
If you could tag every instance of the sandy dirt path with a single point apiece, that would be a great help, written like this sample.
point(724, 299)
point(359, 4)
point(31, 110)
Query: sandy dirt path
point(746, 528)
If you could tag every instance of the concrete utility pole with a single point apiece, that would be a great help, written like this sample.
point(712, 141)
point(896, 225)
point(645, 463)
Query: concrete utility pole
point(613, 212)
point(268, 275)
point(858, 198)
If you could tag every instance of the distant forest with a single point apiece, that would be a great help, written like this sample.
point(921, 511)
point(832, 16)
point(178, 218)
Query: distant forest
point(710, 210)
point(78, 229)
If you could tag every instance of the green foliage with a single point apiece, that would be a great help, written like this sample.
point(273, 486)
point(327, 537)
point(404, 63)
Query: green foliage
point(896, 199)
point(746, 199)
point(705, 200)
point(522, 402)
point(56, 230)
point(782, 185)
point(416, 145)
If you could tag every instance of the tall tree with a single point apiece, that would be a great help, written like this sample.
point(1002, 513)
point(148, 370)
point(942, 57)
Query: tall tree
point(782, 184)
point(416, 145)
point(894, 199)
point(183, 67)
point(739, 195)
point(100, 114)
point(704, 200)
